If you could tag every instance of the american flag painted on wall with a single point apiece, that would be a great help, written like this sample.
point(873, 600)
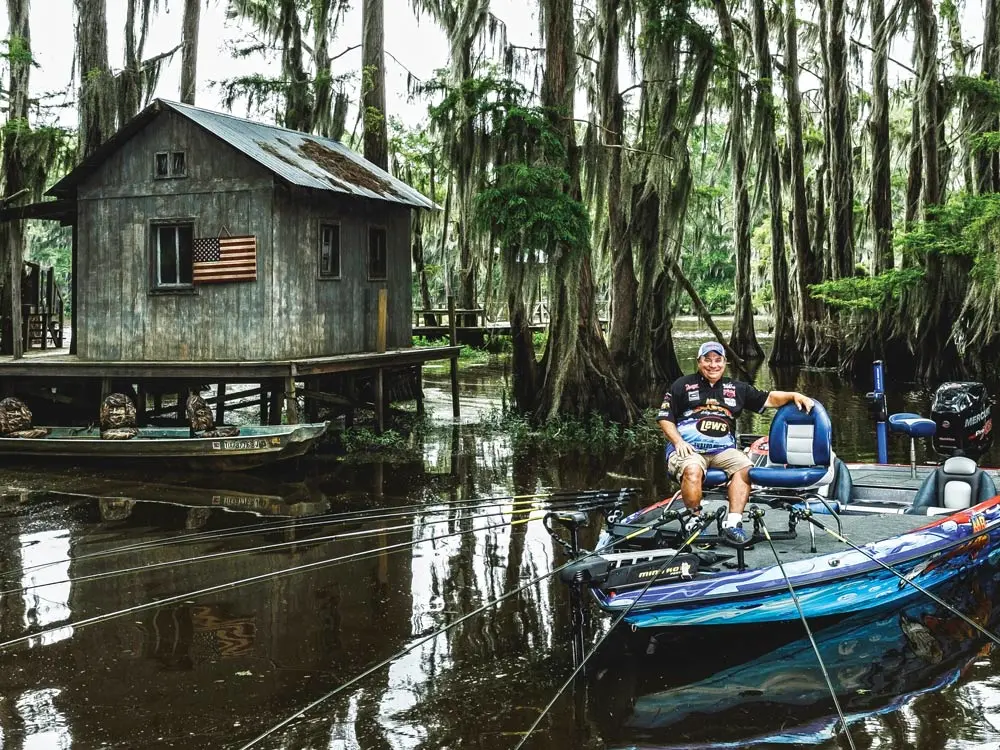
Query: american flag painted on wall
point(219, 259)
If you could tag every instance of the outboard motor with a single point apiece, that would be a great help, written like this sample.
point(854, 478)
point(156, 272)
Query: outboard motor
point(963, 415)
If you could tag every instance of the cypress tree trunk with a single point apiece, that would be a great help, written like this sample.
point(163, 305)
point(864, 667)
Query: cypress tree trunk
point(945, 278)
point(298, 102)
point(841, 173)
point(96, 99)
point(783, 350)
point(13, 172)
point(623, 281)
point(189, 53)
point(808, 268)
point(330, 109)
point(987, 163)
point(881, 195)
point(373, 86)
point(578, 375)
point(743, 339)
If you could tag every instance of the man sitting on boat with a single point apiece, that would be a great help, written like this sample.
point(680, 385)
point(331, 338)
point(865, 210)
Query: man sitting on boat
point(698, 416)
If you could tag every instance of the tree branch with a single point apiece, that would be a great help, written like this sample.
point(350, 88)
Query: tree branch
point(542, 50)
point(904, 66)
point(349, 49)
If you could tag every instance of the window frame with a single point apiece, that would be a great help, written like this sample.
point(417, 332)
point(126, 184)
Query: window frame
point(170, 157)
point(322, 224)
point(156, 287)
point(385, 247)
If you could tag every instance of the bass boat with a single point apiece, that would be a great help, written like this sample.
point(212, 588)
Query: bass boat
point(829, 539)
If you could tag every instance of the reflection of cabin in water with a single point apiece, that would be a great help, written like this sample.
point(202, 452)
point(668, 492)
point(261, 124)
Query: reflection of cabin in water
point(209, 248)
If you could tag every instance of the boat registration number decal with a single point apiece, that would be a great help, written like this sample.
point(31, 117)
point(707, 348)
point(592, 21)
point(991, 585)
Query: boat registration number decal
point(978, 522)
point(239, 445)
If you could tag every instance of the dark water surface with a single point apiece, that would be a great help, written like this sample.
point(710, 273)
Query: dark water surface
point(126, 639)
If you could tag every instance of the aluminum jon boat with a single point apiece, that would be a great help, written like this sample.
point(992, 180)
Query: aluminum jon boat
point(844, 538)
point(254, 446)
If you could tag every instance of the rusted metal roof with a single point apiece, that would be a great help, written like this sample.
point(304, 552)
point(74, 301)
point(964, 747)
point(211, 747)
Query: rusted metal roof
point(309, 161)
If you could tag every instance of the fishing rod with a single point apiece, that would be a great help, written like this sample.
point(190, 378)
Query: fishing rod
point(367, 533)
point(806, 514)
point(242, 582)
point(758, 516)
point(567, 497)
point(273, 575)
point(440, 631)
point(700, 526)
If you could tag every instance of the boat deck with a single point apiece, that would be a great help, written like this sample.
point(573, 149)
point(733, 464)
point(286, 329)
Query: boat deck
point(860, 529)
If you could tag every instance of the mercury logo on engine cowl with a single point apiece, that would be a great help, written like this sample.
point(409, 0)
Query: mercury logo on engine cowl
point(977, 418)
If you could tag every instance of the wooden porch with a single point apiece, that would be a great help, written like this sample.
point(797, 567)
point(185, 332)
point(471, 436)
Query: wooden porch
point(58, 377)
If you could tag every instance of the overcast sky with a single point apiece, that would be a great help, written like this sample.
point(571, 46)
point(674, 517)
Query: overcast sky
point(420, 48)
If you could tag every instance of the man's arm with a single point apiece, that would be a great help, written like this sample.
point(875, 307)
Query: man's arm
point(780, 398)
point(670, 430)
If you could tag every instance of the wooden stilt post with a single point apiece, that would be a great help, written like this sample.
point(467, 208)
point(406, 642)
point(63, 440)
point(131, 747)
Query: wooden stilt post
point(182, 394)
point(263, 403)
point(291, 402)
point(352, 395)
point(383, 320)
point(380, 400)
point(455, 409)
point(140, 408)
point(220, 405)
point(275, 402)
point(105, 388)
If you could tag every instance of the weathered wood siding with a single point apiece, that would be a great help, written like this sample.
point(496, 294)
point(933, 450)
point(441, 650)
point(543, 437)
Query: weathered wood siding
point(336, 316)
point(288, 312)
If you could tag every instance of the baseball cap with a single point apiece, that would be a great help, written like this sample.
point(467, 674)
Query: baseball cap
point(711, 346)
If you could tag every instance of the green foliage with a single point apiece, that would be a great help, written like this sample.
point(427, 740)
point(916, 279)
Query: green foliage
point(719, 298)
point(361, 439)
point(955, 228)
point(468, 355)
point(870, 293)
point(982, 93)
point(423, 341)
point(16, 50)
point(527, 206)
point(590, 434)
point(985, 142)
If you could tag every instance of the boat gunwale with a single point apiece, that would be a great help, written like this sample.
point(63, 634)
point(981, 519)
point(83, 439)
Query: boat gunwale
point(308, 430)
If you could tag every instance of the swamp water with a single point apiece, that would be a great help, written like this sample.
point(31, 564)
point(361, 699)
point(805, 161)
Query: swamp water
point(213, 652)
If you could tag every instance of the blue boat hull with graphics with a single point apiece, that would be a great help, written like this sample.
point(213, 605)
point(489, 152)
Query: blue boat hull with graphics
point(840, 582)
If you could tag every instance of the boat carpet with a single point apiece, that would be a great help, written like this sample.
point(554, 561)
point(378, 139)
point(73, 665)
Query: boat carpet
point(897, 477)
point(860, 529)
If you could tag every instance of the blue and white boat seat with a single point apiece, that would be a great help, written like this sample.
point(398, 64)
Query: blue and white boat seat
point(912, 424)
point(714, 478)
point(915, 426)
point(958, 483)
point(800, 455)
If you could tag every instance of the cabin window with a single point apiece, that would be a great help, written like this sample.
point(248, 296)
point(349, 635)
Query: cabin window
point(168, 164)
point(377, 264)
point(172, 255)
point(329, 251)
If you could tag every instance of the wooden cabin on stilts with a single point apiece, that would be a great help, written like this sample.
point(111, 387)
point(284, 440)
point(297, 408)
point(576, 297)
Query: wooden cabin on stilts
point(211, 250)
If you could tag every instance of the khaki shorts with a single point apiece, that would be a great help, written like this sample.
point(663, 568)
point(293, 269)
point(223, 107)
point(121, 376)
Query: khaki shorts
point(730, 461)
